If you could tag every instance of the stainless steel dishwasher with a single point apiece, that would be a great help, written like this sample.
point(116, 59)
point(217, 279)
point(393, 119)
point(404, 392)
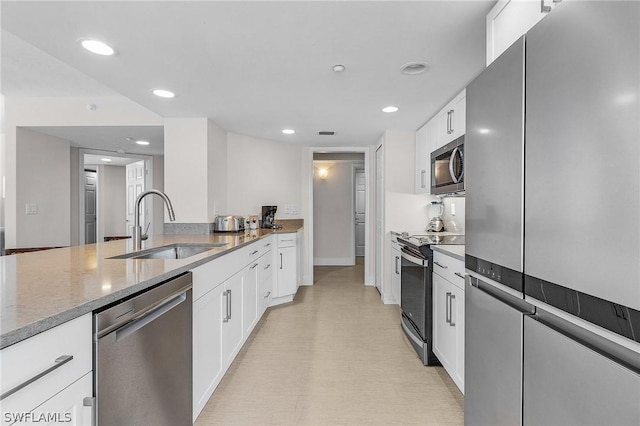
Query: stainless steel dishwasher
point(142, 358)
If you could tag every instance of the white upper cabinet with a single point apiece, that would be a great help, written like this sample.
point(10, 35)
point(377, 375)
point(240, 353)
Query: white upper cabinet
point(452, 120)
point(509, 20)
point(445, 126)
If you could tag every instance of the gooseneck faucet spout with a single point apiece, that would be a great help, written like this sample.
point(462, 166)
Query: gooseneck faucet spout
point(137, 229)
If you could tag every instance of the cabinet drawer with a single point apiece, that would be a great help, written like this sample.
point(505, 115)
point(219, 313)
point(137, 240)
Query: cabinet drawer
point(449, 268)
point(286, 240)
point(40, 357)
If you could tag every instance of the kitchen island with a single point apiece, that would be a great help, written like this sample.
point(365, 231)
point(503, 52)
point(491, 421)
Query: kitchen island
point(42, 290)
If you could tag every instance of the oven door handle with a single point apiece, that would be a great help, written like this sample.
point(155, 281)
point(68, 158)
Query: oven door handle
point(406, 254)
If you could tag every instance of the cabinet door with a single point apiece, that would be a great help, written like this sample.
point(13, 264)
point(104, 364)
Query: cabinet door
point(231, 300)
point(68, 405)
point(250, 297)
point(458, 116)
point(208, 366)
point(457, 324)
point(423, 161)
point(287, 271)
point(444, 338)
point(265, 282)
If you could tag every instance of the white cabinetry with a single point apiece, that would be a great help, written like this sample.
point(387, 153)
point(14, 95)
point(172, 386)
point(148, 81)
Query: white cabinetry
point(448, 315)
point(286, 266)
point(452, 120)
point(444, 127)
point(509, 20)
point(396, 265)
point(49, 374)
point(426, 139)
point(228, 302)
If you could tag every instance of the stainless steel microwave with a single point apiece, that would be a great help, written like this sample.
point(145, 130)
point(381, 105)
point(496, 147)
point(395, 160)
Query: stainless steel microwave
point(447, 168)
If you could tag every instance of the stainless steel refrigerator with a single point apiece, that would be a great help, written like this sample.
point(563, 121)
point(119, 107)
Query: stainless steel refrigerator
point(553, 224)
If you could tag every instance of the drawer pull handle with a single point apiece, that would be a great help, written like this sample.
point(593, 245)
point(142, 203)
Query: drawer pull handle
point(267, 295)
point(267, 245)
point(59, 362)
point(268, 266)
point(253, 252)
point(254, 266)
point(459, 274)
point(442, 266)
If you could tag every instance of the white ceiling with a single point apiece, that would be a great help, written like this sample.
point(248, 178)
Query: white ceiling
point(257, 67)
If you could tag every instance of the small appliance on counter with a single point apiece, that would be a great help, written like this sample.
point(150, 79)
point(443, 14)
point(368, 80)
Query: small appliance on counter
point(253, 221)
point(229, 224)
point(269, 216)
point(436, 224)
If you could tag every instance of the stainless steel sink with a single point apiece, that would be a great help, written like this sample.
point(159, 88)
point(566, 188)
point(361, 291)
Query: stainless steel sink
point(172, 251)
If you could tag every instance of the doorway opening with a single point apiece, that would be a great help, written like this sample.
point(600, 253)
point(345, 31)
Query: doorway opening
point(110, 184)
point(339, 213)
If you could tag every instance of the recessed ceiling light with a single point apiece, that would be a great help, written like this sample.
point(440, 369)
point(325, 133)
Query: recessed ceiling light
point(98, 47)
point(413, 68)
point(142, 142)
point(163, 93)
point(288, 131)
point(338, 68)
point(106, 160)
point(390, 108)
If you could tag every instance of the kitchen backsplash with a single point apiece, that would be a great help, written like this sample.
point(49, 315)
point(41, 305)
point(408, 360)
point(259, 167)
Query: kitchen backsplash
point(453, 222)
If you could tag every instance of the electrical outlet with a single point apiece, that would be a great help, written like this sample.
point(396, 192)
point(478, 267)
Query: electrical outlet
point(31, 208)
point(295, 209)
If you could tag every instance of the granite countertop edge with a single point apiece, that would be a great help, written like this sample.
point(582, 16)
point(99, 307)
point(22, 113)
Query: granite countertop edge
point(20, 333)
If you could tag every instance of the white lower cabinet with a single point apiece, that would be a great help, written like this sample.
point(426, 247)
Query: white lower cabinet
point(228, 307)
point(286, 266)
point(208, 364)
point(46, 377)
point(265, 282)
point(448, 316)
point(250, 297)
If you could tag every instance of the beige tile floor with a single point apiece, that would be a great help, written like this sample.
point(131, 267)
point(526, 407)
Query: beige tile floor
point(334, 356)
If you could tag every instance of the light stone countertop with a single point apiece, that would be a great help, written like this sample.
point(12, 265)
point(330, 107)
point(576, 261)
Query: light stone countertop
point(455, 251)
point(41, 290)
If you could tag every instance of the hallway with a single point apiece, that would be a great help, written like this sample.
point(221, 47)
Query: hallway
point(334, 356)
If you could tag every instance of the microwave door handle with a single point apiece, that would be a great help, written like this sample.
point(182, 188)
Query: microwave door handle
point(452, 159)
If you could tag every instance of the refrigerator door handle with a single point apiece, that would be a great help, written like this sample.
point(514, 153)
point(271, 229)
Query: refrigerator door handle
point(605, 347)
point(514, 302)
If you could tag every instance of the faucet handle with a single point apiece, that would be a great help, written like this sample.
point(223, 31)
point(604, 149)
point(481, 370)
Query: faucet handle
point(145, 236)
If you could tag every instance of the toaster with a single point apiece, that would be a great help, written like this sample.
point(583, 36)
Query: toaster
point(229, 224)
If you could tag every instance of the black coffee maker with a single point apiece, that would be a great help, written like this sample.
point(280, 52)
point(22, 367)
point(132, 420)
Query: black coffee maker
point(269, 216)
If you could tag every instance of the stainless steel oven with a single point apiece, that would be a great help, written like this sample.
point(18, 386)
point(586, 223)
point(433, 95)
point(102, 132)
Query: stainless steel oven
point(447, 168)
point(416, 300)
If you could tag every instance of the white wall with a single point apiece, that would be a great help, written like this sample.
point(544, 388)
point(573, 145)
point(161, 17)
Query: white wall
point(43, 176)
point(112, 205)
point(333, 214)
point(194, 167)
point(157, 226)
point(263, 172)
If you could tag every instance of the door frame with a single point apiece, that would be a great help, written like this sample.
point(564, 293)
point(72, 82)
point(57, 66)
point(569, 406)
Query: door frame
point(354, 186)
point(308, 279)
point(148, 161)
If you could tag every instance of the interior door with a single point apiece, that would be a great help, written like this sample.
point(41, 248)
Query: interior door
point(360, 206)
point(135, 186)
point(90, 228)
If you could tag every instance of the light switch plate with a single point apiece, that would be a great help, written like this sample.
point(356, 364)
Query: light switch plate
point(31, 208)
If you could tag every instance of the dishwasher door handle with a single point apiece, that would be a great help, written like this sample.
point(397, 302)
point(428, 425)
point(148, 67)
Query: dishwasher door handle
point(149, 316)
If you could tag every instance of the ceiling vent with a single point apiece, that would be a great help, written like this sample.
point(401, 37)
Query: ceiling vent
point(414, 68)
point(326, 133)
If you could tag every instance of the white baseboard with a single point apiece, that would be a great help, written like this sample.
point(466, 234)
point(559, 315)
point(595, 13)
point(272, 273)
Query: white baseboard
point(333, 261)
point(280, 300)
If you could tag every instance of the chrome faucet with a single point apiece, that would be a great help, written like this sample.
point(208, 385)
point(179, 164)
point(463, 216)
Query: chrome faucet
point(137, 229)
